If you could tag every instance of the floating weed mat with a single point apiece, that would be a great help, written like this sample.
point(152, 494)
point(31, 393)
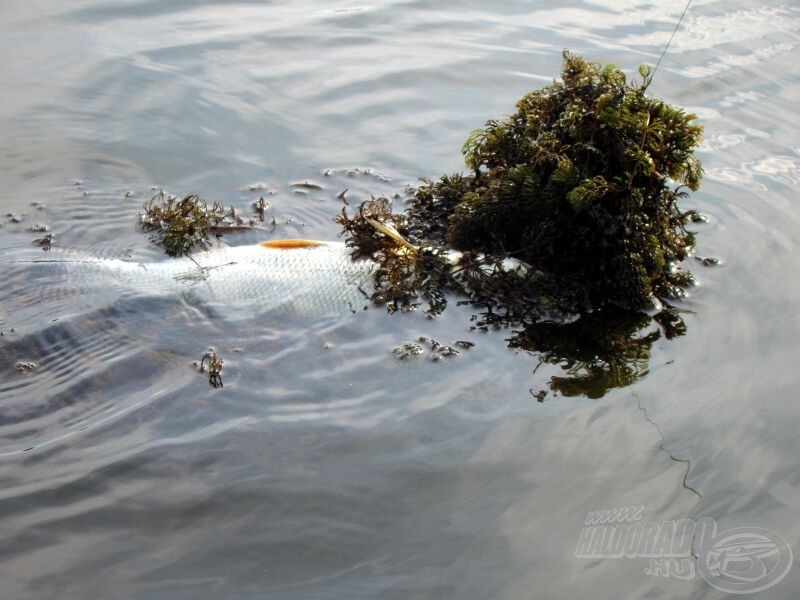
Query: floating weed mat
point(569, 206)
point(184, 224)
point(581, 185)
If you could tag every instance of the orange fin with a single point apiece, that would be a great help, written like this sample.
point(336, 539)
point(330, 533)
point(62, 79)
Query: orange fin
point(289, 244)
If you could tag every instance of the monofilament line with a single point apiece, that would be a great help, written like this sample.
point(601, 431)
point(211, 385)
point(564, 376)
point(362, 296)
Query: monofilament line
point(663, 53)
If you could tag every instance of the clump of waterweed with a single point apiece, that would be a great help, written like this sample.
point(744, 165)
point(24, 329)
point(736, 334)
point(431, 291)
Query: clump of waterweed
point(187, 223)
point(568, 213)
point(214, 367)
point(438, 351)
point(582, 184)
point(407, 272)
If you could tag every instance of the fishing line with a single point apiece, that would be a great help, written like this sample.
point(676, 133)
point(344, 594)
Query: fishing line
point(661, 447)
point(664, 52)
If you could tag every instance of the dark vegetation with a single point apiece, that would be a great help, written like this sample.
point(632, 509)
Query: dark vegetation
point(213, 368)
point(185, 224)
point(580, 188)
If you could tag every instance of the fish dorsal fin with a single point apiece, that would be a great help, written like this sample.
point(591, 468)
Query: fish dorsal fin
point(290, 244)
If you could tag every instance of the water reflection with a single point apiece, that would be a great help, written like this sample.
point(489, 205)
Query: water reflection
point(599, 351)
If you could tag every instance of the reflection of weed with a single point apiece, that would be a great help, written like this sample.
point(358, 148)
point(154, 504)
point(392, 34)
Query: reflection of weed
point(183, 224)
point(598, 351)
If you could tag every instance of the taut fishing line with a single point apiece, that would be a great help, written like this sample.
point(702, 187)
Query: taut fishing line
point(674, 31)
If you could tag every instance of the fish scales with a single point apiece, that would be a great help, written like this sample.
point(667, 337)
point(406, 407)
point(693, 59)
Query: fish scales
point(301, 277)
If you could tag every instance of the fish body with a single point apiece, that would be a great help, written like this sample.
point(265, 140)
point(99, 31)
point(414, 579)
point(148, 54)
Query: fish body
point(296, 276)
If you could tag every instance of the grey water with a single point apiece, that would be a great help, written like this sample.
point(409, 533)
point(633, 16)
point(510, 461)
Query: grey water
point(326, 467)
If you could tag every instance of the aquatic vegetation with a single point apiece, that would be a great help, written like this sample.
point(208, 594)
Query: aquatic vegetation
point(578, 184)
point(406, 274)
point(438, 351)
point(445, 352)
point(580, 188)
point(707, 261)
point(215, 364)
point(581, 184)
point(187, 223)
point(25, 366)
point(538, 395)
point(566, 224)
point(352, 172)
point(46, 242)
point(408, 350)
point(260, 206)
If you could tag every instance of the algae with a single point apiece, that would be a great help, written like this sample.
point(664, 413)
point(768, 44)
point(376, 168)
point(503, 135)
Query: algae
point(437, 350)
point(407, 275)
point(214, 369)
point(581, 184)
point(566, 223)
point(181, 225)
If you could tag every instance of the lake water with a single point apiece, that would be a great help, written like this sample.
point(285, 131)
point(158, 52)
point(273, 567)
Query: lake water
point(325, 467)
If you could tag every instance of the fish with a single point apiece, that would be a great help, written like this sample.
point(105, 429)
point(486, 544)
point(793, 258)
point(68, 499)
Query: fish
point(301, 277)
point(297, 277)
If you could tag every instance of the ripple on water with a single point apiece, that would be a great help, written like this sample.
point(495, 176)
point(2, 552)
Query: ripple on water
point(89, 369)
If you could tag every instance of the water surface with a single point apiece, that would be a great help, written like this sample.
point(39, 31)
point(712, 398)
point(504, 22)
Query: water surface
point(325, 467)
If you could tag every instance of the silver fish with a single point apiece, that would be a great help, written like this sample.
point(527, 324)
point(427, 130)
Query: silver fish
point(293, 276)
point(299, 277)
